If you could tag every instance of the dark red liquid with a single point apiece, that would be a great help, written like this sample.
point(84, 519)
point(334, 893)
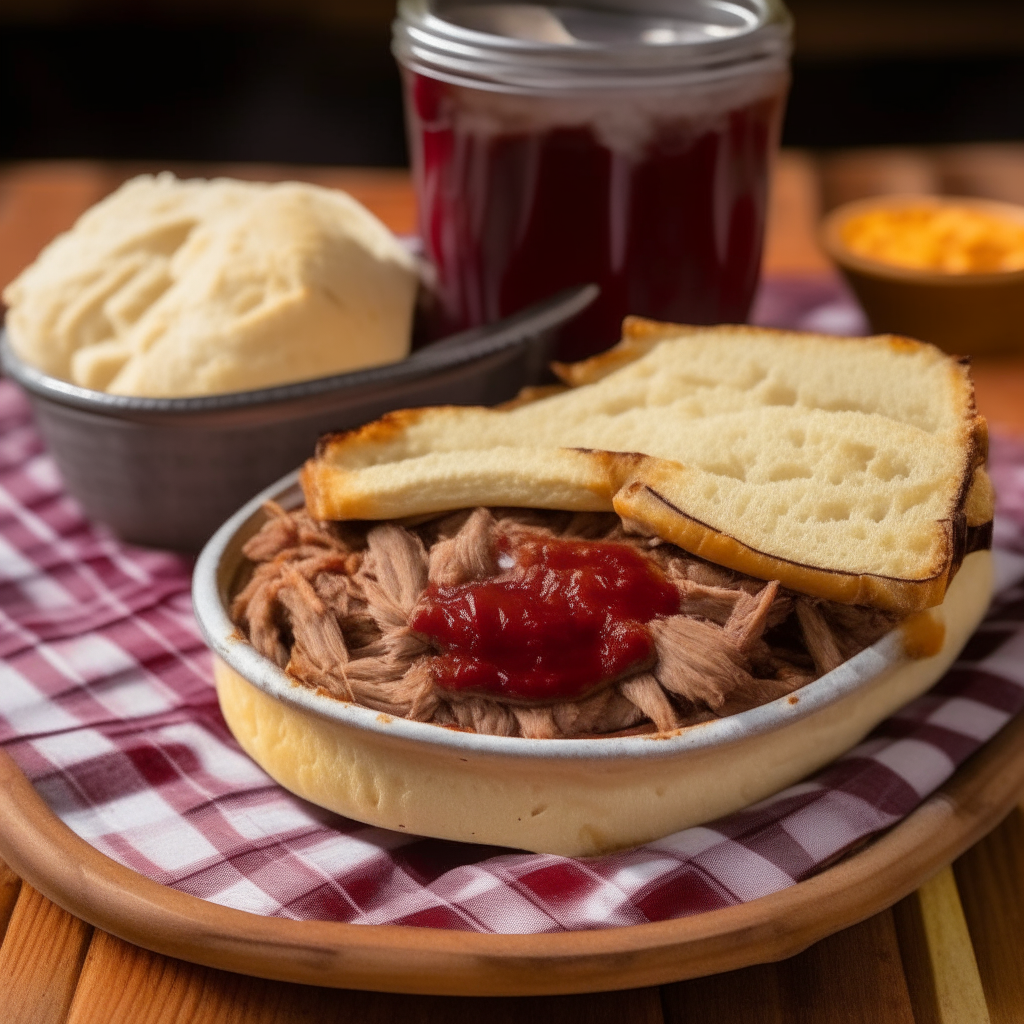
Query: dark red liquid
point(672, 230)
point(567, 617)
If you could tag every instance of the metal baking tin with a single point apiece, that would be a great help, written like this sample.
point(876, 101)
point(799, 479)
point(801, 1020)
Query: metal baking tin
point(166, 472)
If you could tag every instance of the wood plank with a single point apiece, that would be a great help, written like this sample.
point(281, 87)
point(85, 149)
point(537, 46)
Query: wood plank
point(853, 174)
point(853, 977)
point(10, 887)
point(999, 392)
point(634, 1006)
point(917, 964)
point(122, 984)
point(40, 961)
point(993, 171)
point(39, 200)
point(938, 959)
point(990, 879)
point(958, 992)
point(794, 209)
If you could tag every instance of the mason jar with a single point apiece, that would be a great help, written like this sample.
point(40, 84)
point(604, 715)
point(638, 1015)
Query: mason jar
point(624, 142)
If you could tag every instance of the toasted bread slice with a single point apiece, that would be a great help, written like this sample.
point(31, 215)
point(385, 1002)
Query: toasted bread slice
point(850, 469)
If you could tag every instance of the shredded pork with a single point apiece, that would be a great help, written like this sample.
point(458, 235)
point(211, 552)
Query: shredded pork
point(331, 602)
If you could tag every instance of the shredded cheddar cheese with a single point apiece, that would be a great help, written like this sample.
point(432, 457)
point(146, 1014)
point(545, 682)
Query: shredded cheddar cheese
point(949, 239)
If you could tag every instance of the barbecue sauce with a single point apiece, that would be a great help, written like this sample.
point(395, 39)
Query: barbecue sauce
point(564, 618)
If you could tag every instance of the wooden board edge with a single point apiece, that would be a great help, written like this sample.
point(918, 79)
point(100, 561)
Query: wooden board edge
point(425, 961)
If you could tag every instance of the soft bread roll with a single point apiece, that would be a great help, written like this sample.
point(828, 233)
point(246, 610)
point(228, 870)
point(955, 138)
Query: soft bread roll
point(387, 772)
point(171, 288)
point(847, 468)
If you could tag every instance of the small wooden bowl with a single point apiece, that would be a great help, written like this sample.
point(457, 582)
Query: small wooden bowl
point(967, 314)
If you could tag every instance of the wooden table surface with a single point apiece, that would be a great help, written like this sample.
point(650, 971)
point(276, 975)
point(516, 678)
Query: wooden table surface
point(952, 953)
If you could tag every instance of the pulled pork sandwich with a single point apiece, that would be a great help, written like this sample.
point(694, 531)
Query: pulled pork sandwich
point(701, 521)
point(532, 624)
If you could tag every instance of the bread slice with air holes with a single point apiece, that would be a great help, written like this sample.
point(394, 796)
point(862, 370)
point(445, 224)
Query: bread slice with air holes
point(850, 469)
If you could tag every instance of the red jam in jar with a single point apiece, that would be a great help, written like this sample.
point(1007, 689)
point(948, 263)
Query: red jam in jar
point(672, 230)
point(610, 146)
point(565, 618)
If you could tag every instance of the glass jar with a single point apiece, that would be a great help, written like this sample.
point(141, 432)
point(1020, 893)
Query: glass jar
point(624, 143)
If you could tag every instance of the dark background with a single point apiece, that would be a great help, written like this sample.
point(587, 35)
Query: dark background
point(313, 81)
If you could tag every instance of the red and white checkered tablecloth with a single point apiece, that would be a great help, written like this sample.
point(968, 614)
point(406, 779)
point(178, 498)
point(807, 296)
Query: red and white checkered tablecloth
point(106, 703)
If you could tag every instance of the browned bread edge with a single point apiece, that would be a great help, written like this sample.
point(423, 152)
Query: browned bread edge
point(968, 529)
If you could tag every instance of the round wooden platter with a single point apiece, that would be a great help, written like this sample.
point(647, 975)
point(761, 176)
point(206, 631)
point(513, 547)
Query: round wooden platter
point(426, 961)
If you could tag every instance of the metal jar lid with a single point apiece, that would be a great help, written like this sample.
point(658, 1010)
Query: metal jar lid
point(600, 44)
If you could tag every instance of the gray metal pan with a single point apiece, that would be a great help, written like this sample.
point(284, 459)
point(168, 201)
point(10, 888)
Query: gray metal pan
point(166, 472)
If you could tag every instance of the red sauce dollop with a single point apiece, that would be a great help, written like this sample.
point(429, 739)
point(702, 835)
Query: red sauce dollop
point(565, 618)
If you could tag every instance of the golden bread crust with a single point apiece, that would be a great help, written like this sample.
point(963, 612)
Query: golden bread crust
point(429, 460)
point(644, 504)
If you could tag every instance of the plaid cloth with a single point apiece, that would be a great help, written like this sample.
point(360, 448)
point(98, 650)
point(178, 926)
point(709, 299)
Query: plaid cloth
point(106, 704)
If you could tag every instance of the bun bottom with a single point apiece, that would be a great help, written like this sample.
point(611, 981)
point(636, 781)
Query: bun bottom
point(566, 799)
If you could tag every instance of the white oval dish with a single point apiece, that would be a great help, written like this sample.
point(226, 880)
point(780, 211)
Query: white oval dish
point(576, 797)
